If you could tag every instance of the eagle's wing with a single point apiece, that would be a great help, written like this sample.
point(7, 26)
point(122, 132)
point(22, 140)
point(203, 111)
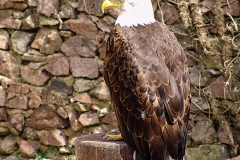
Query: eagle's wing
point(145, 70)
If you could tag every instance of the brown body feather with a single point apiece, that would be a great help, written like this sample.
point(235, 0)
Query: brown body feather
point(145, 70)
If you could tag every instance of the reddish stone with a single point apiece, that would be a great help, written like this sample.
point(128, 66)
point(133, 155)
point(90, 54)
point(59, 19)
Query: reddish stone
point(20, 6)
point(110, 119)
point(83, 98)
point(89, 118)
point(7, 20)
point(220, 89)
point(3, 114)
point(54, 97)
point(34, 100)
point(3, 97)
point(54, 138)
point(83, 26)
point(18, 102)
point(47, 41)
point(84, 67)
point(57, 65)
point(17, 121)
point(62, 112)
point(78, 46)
point(35, 77)
point(8, 65)
point(73, 117)
point(102, 50)
point(48, 7)
point(18, 88)
point(46, 118)
point(26, 148)
point(4, 38)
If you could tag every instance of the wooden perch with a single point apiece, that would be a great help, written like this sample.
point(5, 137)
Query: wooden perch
point(94, 147)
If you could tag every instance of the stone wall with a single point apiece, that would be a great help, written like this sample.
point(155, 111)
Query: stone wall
point(52, 88)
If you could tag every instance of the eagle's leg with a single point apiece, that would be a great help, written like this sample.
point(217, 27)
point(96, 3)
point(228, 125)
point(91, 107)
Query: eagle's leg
point(114, 137)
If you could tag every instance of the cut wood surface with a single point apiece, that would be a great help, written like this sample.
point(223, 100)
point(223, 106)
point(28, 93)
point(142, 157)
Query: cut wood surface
point(94, 147)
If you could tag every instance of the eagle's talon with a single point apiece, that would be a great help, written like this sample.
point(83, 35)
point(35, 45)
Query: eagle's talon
point(113, 137)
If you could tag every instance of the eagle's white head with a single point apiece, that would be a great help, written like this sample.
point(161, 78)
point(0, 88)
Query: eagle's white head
point(132, 12)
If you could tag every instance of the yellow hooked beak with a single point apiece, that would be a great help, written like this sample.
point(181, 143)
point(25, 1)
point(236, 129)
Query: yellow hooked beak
point(107, 5)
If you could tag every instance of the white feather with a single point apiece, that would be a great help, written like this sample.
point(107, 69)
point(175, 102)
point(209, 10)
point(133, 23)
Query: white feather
point(135, 12)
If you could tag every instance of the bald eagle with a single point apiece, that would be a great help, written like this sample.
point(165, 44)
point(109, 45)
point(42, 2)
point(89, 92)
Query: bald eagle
point(146, 71)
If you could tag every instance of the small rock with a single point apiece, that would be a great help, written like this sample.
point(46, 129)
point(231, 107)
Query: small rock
point(29, 133)
point(89, 118)
point(82, 98)
point(48, 8)
point(199, 104)
point(62, 112)
point(30, 22)
point(103, 112)
point(33, 58)
point(102, 104)
point(83, 67)
point(18, 15)
point(8, 65)
point(102, 50)
point(98, 129)
point(21, 40)
point(207, 152)
point(54, 138)
point(18, 88)
point(83, 26)
point(32, 3)
point(45, 117)
point(47, 21)
point(4, 131)
point(194, 77)
point(82, 85)
point(65, 34)
point(20, 102)
point(170, 14)
point(65, 150)
point(78, 46)
point(34, 77)
point(220, 89)
point(54, 97)
point(204, 133)
point(4, 37)
point(68, 80)
point(101, 92)
point(81, 107)
point(235, 158)
point(92, 6)
point(11, 158)
point(34, 100)
point(110, 119)
point(3, 114)
point(103, 25)
point(26, 148)
point(3, 97)
point(67, 11)
point(57, 65)
point(8, 145)
point(47, 41)
point(17, 121)
point(7, 20)
point(20, 6)
point(73, 118)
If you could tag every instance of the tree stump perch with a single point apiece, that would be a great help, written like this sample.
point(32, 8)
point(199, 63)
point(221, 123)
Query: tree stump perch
point(94, 147)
